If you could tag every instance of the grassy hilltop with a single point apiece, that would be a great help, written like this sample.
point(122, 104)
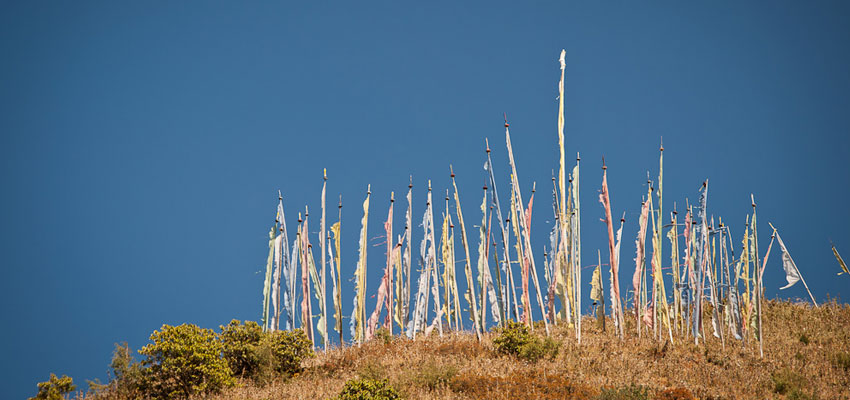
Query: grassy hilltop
point(806, 355)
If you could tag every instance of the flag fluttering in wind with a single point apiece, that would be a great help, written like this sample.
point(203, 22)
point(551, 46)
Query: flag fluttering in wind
point(323, 300)
point(735, 311)
point(792, 273)
point(428, 261)
point(285, 262)
point(385, 290)
point(576, 243)
point(268, 281)
point(470, 293)
point(596, 284)
point(404, 294)
point(307, 269)
point(640, 262)
point(614, 250)
point(358, 314)
point(840, 262)
point(428, 252)
point(335, 277)
point(524, 236)
point(280, 260)
point(597, 292)
point(505, 288)
point(485, 281)
point(450, 271)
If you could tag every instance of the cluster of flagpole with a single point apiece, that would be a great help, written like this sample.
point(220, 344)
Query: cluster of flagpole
point(703, 268)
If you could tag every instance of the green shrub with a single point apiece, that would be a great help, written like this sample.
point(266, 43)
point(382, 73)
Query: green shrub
point(126, 373)
point(261, 356)
point(631, 392)
point(241, 342)
point(288, 349)
point(55, 388)
point(804, 339)
point(511, 338)
point(515, 339)
point(182, 361)
point(384, 336)
point(368, 389)
point(125, 377)
point(537, 349)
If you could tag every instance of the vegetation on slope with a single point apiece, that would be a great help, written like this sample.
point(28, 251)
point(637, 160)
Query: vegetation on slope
point(807, 356)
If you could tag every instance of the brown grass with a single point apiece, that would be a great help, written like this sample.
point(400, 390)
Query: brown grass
point(801, 342)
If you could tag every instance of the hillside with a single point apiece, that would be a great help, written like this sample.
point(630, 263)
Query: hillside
point(806, 355)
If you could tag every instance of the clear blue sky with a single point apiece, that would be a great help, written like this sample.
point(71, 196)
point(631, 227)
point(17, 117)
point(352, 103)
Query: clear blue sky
point(143, 144)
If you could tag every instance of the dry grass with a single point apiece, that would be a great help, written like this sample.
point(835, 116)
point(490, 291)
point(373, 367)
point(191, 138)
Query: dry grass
point(806, 353)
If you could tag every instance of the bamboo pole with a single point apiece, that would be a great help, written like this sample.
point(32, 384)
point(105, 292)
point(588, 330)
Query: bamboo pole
point(322, 236)
point(468, 268)
point(758, 279)
point(795, 266)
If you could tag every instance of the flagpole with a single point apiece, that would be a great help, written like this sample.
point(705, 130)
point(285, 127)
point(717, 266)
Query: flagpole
point(468, 269)
point(405, 309)
point(758, 280)
point(322, 236)
point(339, 271)
point(601, 286)
point(795, 266)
